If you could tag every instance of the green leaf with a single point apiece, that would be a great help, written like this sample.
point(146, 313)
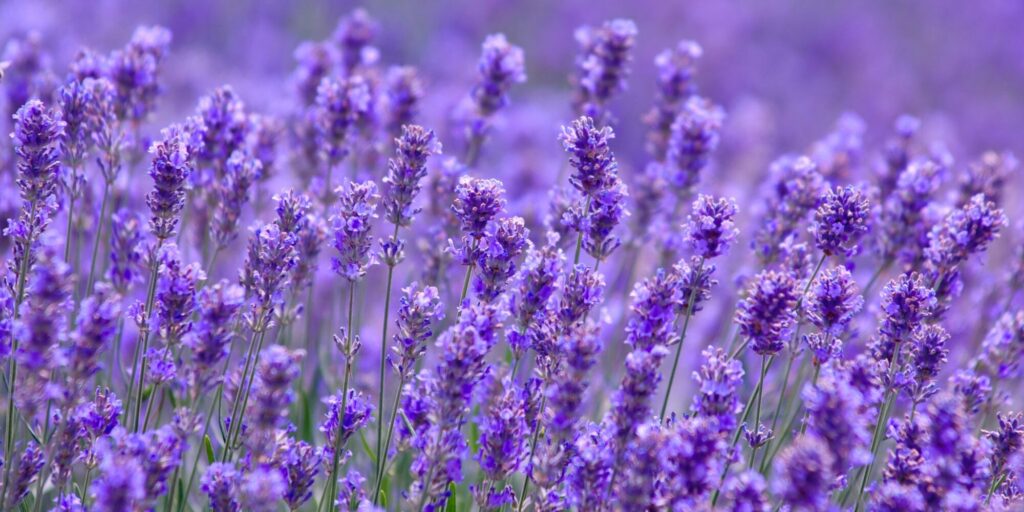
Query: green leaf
point(452, 505)
point(209, 450)
point(366, 448)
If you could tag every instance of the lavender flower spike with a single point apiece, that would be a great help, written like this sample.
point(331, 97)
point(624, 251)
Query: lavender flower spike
point(710, 228)
point(351, 225)
point(405, 172)
point(964, 232)
point(840, 220)
point(693, 138)
point(603, 65)
point(589, 154)
point(766, 314)
point(172, 165)
point(501, 66)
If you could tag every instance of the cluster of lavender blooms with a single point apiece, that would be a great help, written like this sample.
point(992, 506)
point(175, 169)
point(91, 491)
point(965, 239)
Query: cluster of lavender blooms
point(396, 330)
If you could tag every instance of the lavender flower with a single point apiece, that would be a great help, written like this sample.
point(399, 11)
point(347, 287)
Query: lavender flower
point(833, 301)
point(418, 308)
point(718, 381)
point(695, 283)
point(747, 492)
point(902, 230)
point(226, 127)
point(221, 483)
point(506, 239)
point(581, 292)
point(403, 92)
point(477, 201)
point(176, 295)
point(301, 463)
point(709, 227)
point(339, 103)
point(233, 192)
point(836, 414)
point(676, 68)
point(125, 250)
point(928, 352)
point(503, 430)
point(351, 225)
point(804, 476)
point(262, 490)
point(964, 232)
point(598, 218)
point(840, 220)
point(529, 297)
point(278, 367)
point(97, 323)
point(589, 473)
point(906, 302)
point(987, 176)
point(794, 189)
point(27, 66)
point(24, 474)
point(135, 71)
point(590, 155)
point(358, 412)
point(693, 138)
point(353, 36)
point(972, 390)
point(580, 349)
point(316, 60)
point(603, 65)
point(271, 256)
point(501, 66)
point(765, 315)
point(405, 172)
point(172, 165)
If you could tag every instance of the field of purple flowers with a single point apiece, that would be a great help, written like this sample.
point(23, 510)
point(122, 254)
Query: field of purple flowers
point(454, 284)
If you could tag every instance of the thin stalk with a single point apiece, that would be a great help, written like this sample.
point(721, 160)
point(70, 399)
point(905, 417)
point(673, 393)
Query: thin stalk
point(99, 237)
point(883, 418)
point(139, 371)
point(757, 409)
point(790, 418)
point(330, 488)
point(682, 338)
point(579, 236)
point(383, 363)
point(533, 448)
point(387, 441)
point(238, 408)
point(744, 415)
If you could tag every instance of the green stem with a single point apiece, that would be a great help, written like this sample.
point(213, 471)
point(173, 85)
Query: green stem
point(139, 371)
point(329, 489)
point(387, 441)
point(682, 338)
point(533, 448)
point(383, 365)
point(99, 237)
point(579, 237)
point(238, 408)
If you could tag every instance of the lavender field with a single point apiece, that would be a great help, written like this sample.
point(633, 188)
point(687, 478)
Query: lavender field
point(485, 256)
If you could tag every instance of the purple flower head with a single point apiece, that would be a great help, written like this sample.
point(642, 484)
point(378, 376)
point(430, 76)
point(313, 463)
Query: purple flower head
point(23, 474)
point(210, 340)
point(898, 151)
point(75, 102)
point(358, 412)
point(295, 215)
point(840, 151)
point(758, 437)
point(747, 492)
point(505, 241)
point(339, 103)
point(464, 348)
point(419, 307)
point(696, 451)
point(135, 72)
point(972, 389)
point(837, 415)
point(232, 191)
point(695, 283)
point(262, 490)
point(676, 69)
point(589, 472)
point(100, 415)
point(477, 201)
point(804, 475)
point(172, 165)
point(710, 228)
point(906, 302)
point(403, 92)
point(300, 464)
point(176, 294)
point(1008, 440)
point(265, 132)
point(351, 225)
point(902, 228)
point(582, 290)
point(353, 37)
point(718, 381)
point(767, 312)
point(503, 429)
point(27, 70)
point(599, 217)
point(840, 220)
point(580, 349)
point(277, 369)
point(97, 323)
point(501, 66)
point(824, 347)
point(590, 155)
point(987, 176)
point(126, 240)
point(152, 456)
point(928, 352)
point(70, 503)
point(162, 366)
point(530, 295)
point(226, 127)
point(794, 189)
point(1002, 348)
point(833, 301)
point(645, 462)
point(405, 171)
point(37, 144)
point(653, 311)
point(693, 138)
point(221, 483)
point(966, 231)
point(270, 259)
point(631, 402)
point(602, 66)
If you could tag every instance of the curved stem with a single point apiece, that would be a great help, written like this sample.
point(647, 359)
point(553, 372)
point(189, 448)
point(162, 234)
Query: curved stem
point(383, 365)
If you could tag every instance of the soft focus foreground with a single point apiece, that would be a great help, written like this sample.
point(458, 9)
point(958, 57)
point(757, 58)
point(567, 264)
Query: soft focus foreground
point(421, 269)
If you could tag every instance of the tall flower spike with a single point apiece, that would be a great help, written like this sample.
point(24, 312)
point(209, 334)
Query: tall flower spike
point(277, 369)
point(794, 189)
point(504, 432)
point(693, 138)
point(220, 483)
point(176, 295)
point(767, 312)
point(403, 91)
point(603, 65)
point(353, 37)
point(710, 228)
point(505, 242)
point(358, 412)
point(840, 221)
point(36, 138)
point(906, 302)
point(501, 66)
point(405, 171)
point(210, 340)
point(97, 323)
point(351, 225)
point(597, 220)
point(233, 192)
point(268, 264)
point(718, 382)
point(837, 415)
point(339, 103)
point(418, 308)
point(833, 301)
point(589, 154)
point(966, 231)
point(477, 201)
point(126, 240)
point(804, 476)
point(135, 72)
point(172, 165)
point(226, 127)
point(676, 68)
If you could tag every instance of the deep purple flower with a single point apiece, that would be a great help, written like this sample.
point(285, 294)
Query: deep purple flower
point(696, 452)
point(602, 66)
point(1008, 441)
point(405, 171)
point(804, 476)
point(530, 295)
point(36, 138)
point(353, 37)
point(794, 189)
point(210, 340)
point(693, 138)
point(676, 68)
point(902, 230)
point(477, 201)
point(316, 60)
point(966, 231)
point(126, 240)
point(695, 282)
point(833, 301)
point(74, 100)
point(838, 416)
point(295, 215)
point(221, 483)
point(824, 347)
point(581, 292)
point(718, 381)
point(898, 152)
point(270, 259)
point(840, 220)
point(403, 92)
point(987, 176)
point(579, 349)
point(339, 103)
point(351, 225)
point(767, 312)
point(226, 126)
point(589, 473)
point(505, 241)
point(747, 492)
point(501, 66)
point(590, 155)
point(232, 190)
point(418, 308)
point(972, 390)
point(172, 165)
point(265, 133)
point(598, 217)
point(906, 302)
point(176, 295)
point(710, 228)
point(928, 352)
point(503, 430)
point(135, 71)
point(278, 367)
point(97, 323)
point(358, 412)
point(301, 463)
